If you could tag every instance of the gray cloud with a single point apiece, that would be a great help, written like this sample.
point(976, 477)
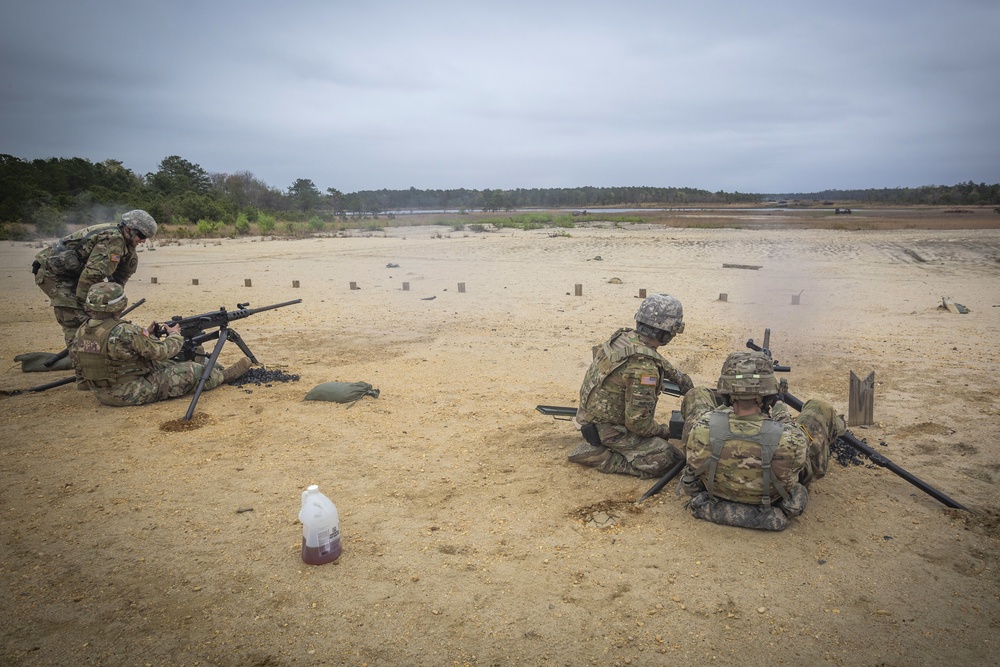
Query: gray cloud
point(757, 97)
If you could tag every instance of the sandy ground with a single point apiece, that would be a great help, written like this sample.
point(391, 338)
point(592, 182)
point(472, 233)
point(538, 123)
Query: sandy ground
point(469, 539)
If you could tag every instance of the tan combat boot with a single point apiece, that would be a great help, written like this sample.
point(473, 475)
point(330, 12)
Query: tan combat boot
point(236, 370)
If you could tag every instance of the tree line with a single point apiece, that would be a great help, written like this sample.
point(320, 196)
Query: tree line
point(51, 194)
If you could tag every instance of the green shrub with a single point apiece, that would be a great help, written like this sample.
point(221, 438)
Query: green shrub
point(265, 223)
point(242, 225)
point(207, 227)
point(316, 224)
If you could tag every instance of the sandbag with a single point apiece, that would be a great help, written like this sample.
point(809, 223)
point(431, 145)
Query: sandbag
point(34, 362)
point(341, 392)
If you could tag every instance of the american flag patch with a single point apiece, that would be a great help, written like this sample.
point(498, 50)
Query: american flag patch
point(116, 258)
point(648, 379)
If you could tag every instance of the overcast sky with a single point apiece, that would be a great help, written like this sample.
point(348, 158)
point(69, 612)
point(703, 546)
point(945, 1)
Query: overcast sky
point(765, 97)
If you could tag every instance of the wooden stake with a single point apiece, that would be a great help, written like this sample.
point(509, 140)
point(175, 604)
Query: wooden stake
point(861, 400)
point(461, 287)
point(295, 283)
point(194, 281)
point(247, 283)
point(579, 290)
point(406, 287)
point(723, 296)
point(153, 280)
point(642, 293)
point(354, 285)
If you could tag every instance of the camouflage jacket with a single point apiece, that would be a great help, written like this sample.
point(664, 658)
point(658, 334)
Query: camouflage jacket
point(738, 475)
point(623, 384)
point(111, 351)
point(90, 255)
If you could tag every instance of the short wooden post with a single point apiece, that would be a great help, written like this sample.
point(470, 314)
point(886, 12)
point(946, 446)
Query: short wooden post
point(861, 400)
point(795, 299)
point(642, 293)
point(354, 285)
point(723, 296)
point(406, 287)
point(194, 281)
point(461, 287)
point(153, 280)
point(247, 282)
point(579, 290)
point(295, 283)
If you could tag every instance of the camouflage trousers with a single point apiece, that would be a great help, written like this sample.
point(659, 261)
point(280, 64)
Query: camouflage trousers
point(627, 453)
point(170, 380)
point(62, 295)
point(823, 426)
point(758, 517)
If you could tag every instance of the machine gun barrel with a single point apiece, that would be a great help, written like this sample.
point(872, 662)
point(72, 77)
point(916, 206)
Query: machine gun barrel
point(883, 462)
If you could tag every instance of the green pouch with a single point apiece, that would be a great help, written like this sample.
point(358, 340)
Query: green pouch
point(34, 362)
point(341, 392)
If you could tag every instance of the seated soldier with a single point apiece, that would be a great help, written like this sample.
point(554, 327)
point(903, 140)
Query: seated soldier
point(618, 397)
point(748, 461)
point(123, 365)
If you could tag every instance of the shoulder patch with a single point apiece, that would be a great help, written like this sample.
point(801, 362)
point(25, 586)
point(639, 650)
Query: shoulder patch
point(648, 380)
point(115, 257)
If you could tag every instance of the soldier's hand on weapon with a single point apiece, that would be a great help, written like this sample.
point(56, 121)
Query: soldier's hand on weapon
point(172, 328)
point(782, 388)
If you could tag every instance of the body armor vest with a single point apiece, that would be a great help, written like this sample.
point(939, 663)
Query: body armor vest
point(768, 439)
point(96, 366)
point(67, 256)
point(608, 358)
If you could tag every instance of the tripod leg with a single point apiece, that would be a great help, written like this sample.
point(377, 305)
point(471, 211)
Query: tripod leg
point(209, 365)
point(238, 339)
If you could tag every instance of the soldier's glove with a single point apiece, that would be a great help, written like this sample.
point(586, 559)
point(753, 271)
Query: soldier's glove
point(782, 389)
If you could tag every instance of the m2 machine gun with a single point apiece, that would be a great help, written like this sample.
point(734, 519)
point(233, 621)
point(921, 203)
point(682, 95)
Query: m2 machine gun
point(848, 438)
point(213, 325)
point(852, 440)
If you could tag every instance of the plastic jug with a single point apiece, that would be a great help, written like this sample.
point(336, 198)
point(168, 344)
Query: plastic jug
point(320, 528)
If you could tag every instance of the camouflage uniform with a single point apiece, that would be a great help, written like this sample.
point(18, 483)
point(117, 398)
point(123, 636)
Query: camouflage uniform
point(67, 269)
point(122, 365)
point(740, 491)
point(618, 397)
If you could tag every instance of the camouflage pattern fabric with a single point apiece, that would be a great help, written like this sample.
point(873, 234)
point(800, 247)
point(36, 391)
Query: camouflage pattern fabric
point(802, 455)
point(758, 517)
point(164, 378)
point(823, 426)
point(70, 266)
point(169, 380)
point(627, 453)
point(661, 311)
point(619, 395)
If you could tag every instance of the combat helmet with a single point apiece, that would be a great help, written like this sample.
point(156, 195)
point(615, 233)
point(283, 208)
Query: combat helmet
point(660, 316)
point(106, 298)
point(140, 221)
point(747, 375)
